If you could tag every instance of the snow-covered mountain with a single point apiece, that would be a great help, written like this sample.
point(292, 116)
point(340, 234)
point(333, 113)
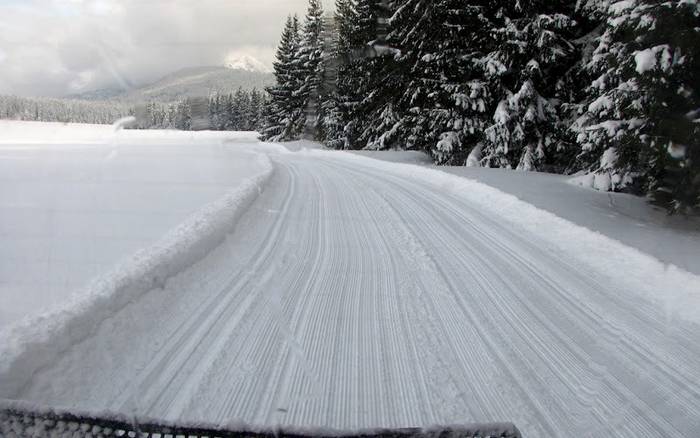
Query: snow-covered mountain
point(247, 63)
point(245, 72)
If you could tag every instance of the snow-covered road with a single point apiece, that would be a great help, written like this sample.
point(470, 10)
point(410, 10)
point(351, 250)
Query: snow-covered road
point(353, 296)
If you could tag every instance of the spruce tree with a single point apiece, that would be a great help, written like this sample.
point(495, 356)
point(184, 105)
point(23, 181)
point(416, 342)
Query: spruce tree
point(532, 51)
point(361, 77)
point(640, 130)
point(444, 103)
point(310, 66)
point(337, 106)
point(182, 116)
point(282, 120)
point(343, 17)
point(255, 110)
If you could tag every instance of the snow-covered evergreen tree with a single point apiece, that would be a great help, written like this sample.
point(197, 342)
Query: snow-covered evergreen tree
point(532, 53)
point(338, 105)
point(364, 84)
point(309, 61)
point(343, 17)
point(62, 110)
point(445, 100)
point(255, 110)
point(285, 113)
point(594, 9)
point(640, 130)
point(239, 111)
point(183, 116)
point(298, 70)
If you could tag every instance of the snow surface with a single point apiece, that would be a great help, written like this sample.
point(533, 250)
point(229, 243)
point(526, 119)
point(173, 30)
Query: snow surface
point(75, 200)
point(237, 61)
point(647, 59)
point(673, 240)
point(356, 293)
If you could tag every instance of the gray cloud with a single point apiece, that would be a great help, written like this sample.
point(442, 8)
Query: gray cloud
point(59, 47)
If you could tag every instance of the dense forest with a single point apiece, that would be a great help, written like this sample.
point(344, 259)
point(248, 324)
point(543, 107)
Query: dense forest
point(600, 88)
point(239, 111)
point(61, 110)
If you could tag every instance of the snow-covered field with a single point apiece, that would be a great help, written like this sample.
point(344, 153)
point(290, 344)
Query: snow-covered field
point(75, 200)
point(357, 293)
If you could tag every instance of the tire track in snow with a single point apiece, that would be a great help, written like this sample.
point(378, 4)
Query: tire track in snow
point(148, 392)
point(268, 326)
point(480, 344)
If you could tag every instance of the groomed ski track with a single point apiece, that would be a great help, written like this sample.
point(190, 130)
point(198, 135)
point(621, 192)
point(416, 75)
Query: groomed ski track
point(351, 297)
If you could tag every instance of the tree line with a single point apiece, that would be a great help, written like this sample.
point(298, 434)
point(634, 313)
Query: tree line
point(606, 89)
point(61, 110)
point(239, 111)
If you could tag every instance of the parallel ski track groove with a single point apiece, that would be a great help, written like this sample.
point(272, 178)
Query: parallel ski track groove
point(688, 404)
point(367, 299)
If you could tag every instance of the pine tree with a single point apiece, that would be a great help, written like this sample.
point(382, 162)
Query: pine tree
point(337, 107)
point(310, 63)
point(360, 79)
point(254, 110)
point(532, 52)
point(238, 108)
point(380, 112)
point(445, 101)
point(640, 130)
point(593, 9)
point(282, 121)
point(218, 111)
point(343, 17)
point(262, 111)
point(182, 116)
point(365, 26)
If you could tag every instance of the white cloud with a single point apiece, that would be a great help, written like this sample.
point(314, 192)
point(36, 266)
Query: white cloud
point(58, 47)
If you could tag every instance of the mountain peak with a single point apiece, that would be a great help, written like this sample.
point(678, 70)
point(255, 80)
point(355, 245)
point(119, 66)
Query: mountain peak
point(245, 62)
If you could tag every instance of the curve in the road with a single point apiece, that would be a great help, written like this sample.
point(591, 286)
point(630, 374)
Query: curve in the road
point(352, 297)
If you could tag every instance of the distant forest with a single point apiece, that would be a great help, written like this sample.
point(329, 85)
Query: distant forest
point(238, 111)
point(61, 110)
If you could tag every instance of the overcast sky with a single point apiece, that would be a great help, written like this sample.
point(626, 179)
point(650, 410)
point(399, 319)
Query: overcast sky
point(59, 47)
